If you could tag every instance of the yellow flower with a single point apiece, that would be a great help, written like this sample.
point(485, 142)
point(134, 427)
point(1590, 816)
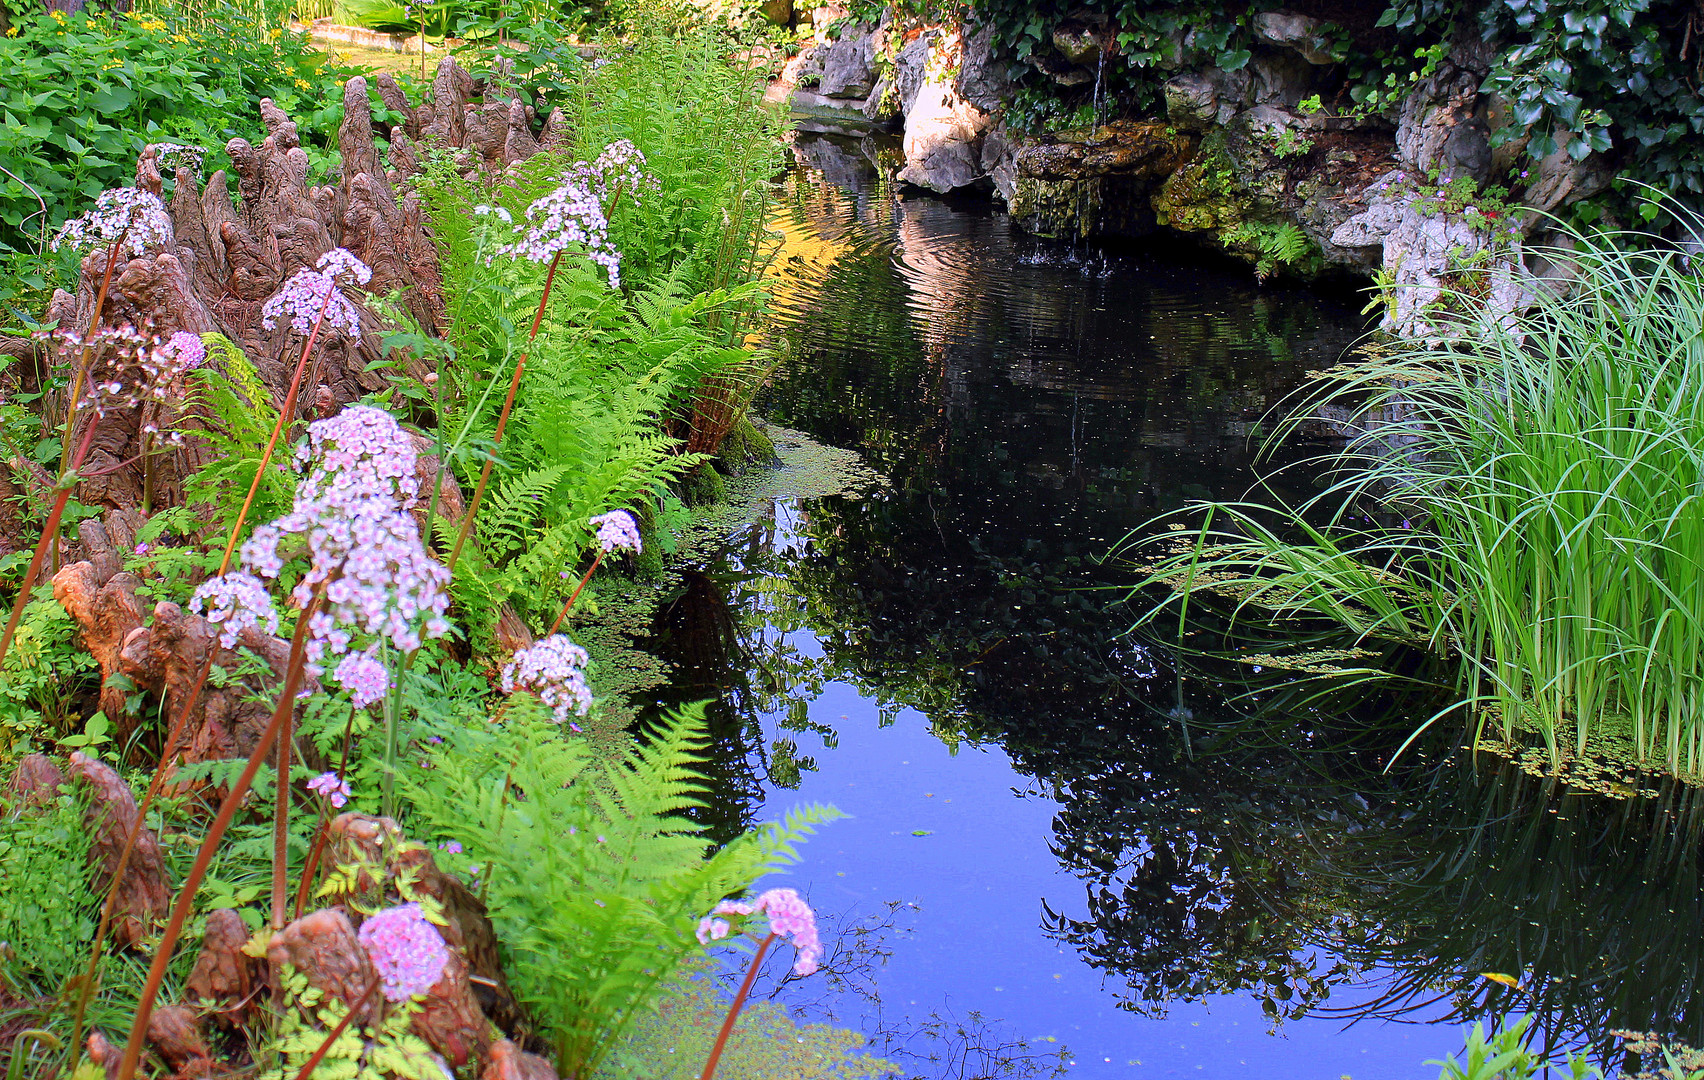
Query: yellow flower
point(180, 39)
point(58, 17)
point(11, 31)
point(304, 84)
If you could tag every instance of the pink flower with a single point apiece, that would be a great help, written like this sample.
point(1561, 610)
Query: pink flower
point(789, 917)
point(234, 603)
point(136, 216)
point(301, 299)
point(617, 531)
point(338, 263)
point(331, 788)
point(364, 677)
point(555, 670)
point(408, 952)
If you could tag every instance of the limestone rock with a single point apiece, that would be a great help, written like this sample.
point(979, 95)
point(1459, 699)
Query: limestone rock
point(847, 64)
point(910, 70)
point(1441, 124)
point(1558, 180)
point(984, 79)
point(1299, 32)
point(943, 139)
point(1428, 254)
point(144, 893)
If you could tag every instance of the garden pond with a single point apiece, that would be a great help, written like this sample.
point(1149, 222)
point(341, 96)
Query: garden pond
point(1066, 848)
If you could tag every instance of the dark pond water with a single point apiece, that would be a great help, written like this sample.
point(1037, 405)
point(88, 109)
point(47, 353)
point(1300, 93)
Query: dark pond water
point(1062, 842)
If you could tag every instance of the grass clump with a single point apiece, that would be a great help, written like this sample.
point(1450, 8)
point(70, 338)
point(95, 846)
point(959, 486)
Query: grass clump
point(1522, 498)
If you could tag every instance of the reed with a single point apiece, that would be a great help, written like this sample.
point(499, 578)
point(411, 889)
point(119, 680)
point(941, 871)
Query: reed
point(1547, 470)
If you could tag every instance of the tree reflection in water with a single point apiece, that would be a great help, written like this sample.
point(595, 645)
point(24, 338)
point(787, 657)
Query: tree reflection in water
point(1230, 836)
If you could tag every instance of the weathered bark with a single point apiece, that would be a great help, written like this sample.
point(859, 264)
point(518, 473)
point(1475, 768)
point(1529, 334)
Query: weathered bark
point(509, 1062)
point(144, 893)
point(224, 974)
point(36, 781)
point(166, 657)
point(323, 947)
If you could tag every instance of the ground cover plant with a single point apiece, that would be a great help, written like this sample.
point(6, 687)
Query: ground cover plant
point(362, 600)
point(1521, 500)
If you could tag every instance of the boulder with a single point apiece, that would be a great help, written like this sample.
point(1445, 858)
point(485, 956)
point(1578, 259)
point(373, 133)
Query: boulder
point(1441, 124)
point(847, 64)
point(984, 80)
point(910, 69)
point(1433, 258)
point(1300, 33)
point(1079, 45)
point(943, 139)
point(1192, 101)
point(1558, 179)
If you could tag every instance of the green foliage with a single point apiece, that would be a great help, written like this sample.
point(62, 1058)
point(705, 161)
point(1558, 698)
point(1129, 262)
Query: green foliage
point(387, 1049)
point(46, 671)
point(48, 908)
point(237, 419)
point(1598, 75)
point(1275, 247)
point(1287, 143)
point(1549, 465)
point(595, 875)
point(1505, 1056)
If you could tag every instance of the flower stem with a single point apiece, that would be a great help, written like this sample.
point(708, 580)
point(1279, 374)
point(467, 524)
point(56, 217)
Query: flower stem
point(734, 1010)
point(49, 533)
point(575, 595)
point(185, 902)
point(277, 429)
point(77, 377)
point(502, 420)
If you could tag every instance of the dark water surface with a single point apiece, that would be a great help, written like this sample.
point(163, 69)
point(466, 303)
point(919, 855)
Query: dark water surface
point(1084, 853)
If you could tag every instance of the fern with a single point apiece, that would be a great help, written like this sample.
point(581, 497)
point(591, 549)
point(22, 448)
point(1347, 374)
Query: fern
point(596, 875)
point(237, 418)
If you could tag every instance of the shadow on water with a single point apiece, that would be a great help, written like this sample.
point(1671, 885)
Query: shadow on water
point(1031, 404)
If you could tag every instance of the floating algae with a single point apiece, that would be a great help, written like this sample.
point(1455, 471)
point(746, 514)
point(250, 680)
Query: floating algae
point(622, 673)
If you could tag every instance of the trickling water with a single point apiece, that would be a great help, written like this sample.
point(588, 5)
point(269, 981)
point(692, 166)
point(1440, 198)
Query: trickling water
point(1100, 858)
point(1100, 75)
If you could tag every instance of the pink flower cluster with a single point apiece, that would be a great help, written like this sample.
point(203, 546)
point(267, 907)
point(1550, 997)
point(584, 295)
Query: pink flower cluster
point(570, 215)
point(308, 291)
point(355, 454)
point(133, 219)
point(179, 155)
point(408, 952)
point(182, 352)
point(617, 531)
point(366, 679)
point(363, 549)
point(235, 602)
point(128, 368)
point(555, 670)
point(332, 788)
point(621, 167)
point(789, 917)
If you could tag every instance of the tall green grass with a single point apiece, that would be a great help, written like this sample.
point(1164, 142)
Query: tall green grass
point(1548, 468)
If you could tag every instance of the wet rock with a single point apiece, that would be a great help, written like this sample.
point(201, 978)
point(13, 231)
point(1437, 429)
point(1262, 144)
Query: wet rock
point(144, 892)
point(1192, 101)
point(1079, 45)
point(1096, 184)
point(223, 974)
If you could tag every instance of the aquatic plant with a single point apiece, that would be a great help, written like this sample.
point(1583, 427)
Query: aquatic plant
point(1547, 471)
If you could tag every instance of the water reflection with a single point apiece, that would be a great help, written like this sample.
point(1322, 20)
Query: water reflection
point(1032, 405)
